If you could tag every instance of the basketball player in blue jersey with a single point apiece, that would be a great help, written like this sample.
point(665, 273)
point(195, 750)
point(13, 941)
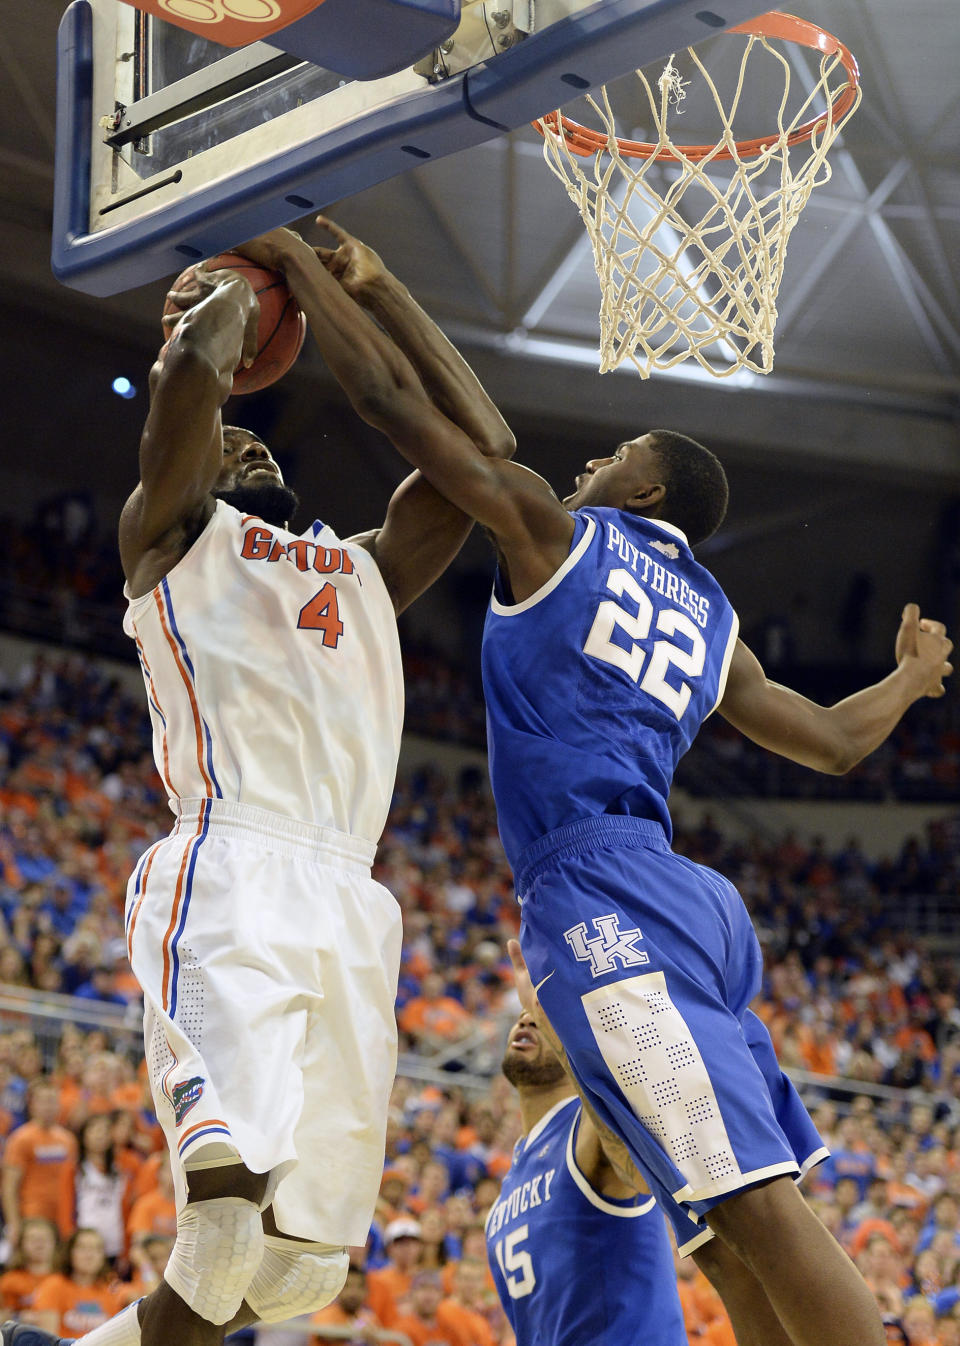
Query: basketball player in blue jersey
point(577, 1254)
point(267, 954)
point(605, 648)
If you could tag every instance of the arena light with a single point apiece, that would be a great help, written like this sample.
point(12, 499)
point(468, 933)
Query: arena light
point(123, 387)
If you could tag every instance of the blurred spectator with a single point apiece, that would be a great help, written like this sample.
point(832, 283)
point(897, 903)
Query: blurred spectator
point(101, 1186)
point(33, 1258)
point(434, 1019)
point(81, 1297)
point(39, 1164)
point(390, 1285)
point(420, 1323)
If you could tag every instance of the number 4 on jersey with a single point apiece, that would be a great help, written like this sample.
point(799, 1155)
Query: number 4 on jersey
point(322, 614)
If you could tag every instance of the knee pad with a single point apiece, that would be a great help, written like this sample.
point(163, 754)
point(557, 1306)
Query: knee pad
point(295, 1278)
point(218, 1249)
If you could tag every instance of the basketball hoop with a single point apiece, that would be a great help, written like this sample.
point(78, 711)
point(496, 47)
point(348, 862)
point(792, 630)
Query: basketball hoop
point(697, 273)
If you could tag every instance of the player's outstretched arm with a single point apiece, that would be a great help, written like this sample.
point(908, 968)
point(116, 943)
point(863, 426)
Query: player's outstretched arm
point(181, 448)
point(833, 739)
point(421, 533)
point(446, 376)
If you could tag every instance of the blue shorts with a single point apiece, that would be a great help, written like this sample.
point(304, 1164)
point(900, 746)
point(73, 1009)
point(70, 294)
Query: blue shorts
point(645, 965)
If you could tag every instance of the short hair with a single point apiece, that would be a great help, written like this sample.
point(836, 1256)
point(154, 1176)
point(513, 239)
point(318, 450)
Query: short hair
point(697, 490)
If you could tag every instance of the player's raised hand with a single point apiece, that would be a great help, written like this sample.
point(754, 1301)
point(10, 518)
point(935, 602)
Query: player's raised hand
point(198, 284)
point(924, 645)
point(351, 262)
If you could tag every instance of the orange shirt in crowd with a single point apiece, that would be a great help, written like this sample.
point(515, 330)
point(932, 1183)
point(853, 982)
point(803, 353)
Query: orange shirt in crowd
point(423, 1335)
point(334, 1316)
point(442, 1017)
point(146, 1179)
point(47, 1158)
point(153, 1214)
point(128, 1097)
point(865, 1231)
point(385, 1286)
point(16, 1289)
point(471, 1328)
point(717, 1333)
point(449, 1272)
point(81, 1308)
point(75, 1100)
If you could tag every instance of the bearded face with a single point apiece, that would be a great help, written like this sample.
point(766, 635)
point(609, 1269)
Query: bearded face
point(529, 1061)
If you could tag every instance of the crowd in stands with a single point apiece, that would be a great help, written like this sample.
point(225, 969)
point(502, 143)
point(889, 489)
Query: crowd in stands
point(86, 1196)
point(77, 590)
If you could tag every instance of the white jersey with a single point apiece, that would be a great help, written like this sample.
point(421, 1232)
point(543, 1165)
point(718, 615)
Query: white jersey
point(273, 674)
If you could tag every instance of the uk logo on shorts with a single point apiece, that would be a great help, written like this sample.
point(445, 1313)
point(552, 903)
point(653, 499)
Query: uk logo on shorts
point(186, 1096)
point(608, 947)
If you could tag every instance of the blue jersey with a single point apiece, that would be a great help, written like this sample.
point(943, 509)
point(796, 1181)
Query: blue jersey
point(572, 1266)
point(597, 684)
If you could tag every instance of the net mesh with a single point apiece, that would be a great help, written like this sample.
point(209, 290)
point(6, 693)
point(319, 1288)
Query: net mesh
point(690, 260)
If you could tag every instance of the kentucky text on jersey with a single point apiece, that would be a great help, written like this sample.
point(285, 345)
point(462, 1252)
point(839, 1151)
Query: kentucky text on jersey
point(534, 1192)
point(259, 544)
point(658, 577)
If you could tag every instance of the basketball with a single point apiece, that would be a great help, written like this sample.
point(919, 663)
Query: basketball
point(281, 327)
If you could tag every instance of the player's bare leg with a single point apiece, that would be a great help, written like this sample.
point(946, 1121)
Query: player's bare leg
point(814, 1289)
point(751, 1314)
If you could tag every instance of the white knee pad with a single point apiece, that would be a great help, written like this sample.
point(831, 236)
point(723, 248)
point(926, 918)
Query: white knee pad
point(295, 1278)
point(218, 1249)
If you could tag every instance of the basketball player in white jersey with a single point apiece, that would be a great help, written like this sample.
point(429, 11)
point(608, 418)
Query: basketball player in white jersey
point(267, 955)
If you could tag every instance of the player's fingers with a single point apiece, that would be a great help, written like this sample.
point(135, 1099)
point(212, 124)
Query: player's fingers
point(331, 226)
point(934, 628)
point(911, 613)
point(516, 956)
point(185, 297)
point(250, 334)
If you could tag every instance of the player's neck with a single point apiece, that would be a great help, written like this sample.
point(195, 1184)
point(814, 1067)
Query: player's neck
point(536, 1103)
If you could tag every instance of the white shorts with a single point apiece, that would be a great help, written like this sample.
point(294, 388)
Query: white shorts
point(268, 959)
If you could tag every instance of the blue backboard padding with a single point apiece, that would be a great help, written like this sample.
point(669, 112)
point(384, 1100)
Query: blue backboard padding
point(591, 48)
point(455, 114)
point(368, 39)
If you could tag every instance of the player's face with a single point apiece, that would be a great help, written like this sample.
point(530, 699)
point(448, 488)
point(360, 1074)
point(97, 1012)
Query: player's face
point(251, 480)
point(612, 482)
point(246, 461)
point(529, 1060)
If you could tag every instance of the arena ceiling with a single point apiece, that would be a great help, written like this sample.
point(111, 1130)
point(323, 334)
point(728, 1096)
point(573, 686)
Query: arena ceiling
point(868, 343)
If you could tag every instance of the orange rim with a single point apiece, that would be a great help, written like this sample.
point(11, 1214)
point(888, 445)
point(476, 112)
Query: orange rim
point(581, 140)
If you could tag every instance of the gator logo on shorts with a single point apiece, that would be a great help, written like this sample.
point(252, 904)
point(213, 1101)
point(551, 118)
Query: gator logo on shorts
point(186, 1096)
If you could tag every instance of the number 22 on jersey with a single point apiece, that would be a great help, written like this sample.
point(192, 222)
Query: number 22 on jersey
point(636, 625)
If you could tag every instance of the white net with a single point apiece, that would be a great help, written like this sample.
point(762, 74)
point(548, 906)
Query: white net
point(689, 242)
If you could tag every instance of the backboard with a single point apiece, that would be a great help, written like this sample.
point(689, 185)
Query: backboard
point(170, 148)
